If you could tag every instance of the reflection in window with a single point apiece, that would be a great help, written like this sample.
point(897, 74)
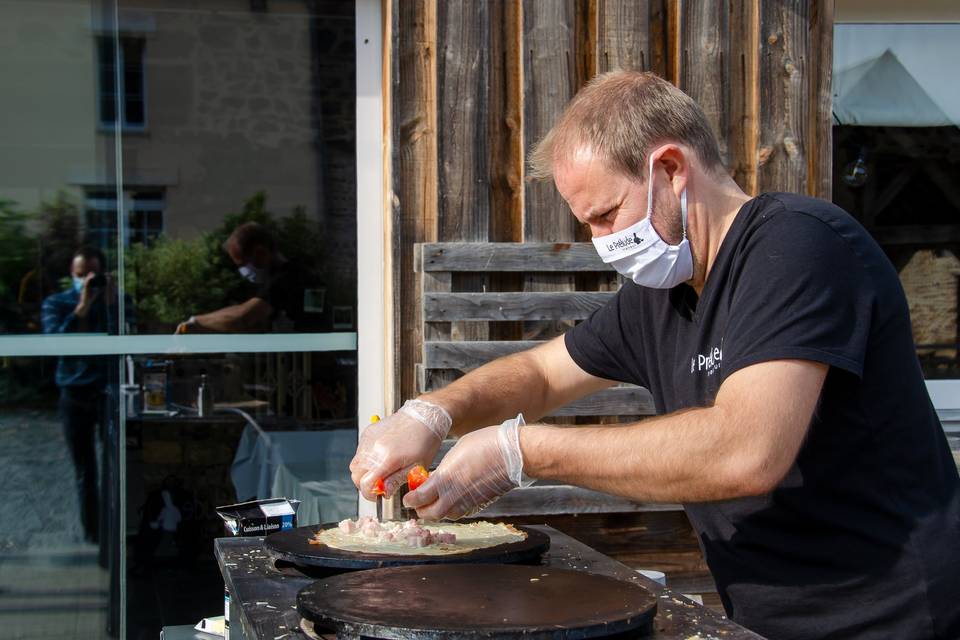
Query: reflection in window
point(896, 166)
point(131, 89)
point(251, 119)
point(144, 215)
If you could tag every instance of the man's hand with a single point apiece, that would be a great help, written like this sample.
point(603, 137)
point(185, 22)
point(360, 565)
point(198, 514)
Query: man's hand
point(187, 326)
point(389, 448)
point(88, 295)
point(484, 465)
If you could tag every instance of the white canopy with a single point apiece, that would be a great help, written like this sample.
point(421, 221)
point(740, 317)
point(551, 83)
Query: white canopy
point(881, 92)
point(873, 84)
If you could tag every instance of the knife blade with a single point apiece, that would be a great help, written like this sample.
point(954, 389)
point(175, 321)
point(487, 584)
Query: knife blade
point(378, 485)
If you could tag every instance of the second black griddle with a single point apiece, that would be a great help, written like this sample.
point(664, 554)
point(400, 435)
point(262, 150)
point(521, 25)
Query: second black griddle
point(293, 546)
point(477, 601)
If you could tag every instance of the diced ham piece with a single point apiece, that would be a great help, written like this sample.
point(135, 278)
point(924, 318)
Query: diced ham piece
point(446, 538)
point(410, 533)
point(371, 529)
point(417, 541)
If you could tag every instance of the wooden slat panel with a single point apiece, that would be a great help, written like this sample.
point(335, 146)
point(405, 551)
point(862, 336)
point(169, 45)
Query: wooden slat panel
point(560, 499)
point(511, 256)
point(429, 379)
point(568, 305)
point(470, 355)
point(624, 35)
point(414, 170)
point(783, 99)
point(704, 75)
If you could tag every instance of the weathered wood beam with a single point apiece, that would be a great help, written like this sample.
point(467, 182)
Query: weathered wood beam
point(623, 38)
point(552, 73)
point(820, 101)
point(784, 65)
point(470, 355)
point(568, 305)
point(463, 138)
point(704, 75)
point(505, 121)
point(413, 132)
point(510, 256)
point(744, 69)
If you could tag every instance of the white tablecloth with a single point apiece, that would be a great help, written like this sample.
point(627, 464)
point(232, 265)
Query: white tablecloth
point(310, 466)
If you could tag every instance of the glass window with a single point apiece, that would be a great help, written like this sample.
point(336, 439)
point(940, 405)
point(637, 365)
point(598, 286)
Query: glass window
point(896, 166)
point(172, 175)
point(128, 95)
point(144, 217)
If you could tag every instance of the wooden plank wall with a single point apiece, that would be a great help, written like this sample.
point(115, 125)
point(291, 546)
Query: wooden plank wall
point(475, 83)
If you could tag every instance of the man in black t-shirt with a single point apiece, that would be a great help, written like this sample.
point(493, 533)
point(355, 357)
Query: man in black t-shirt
point(774, 335)
point(278, 301)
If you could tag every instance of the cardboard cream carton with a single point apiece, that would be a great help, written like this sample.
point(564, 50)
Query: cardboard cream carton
point(259, 517)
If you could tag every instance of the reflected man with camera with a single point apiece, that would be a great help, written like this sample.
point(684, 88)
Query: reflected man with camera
point(88, 306)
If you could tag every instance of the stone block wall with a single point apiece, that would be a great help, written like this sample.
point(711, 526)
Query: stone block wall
point(930, 281)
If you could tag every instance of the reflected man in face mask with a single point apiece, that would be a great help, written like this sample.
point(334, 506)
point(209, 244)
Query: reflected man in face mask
point(88, 306)
point(252, 249)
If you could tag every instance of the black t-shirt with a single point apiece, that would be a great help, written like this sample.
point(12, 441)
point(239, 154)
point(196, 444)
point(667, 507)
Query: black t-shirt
point(283, 290)
point(861, 539)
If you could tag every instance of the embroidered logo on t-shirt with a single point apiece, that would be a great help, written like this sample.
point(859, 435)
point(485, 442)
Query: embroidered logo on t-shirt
point(709, 362)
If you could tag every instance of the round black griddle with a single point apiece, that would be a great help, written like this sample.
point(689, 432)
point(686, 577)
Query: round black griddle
point(293, 546)
point(476, 601)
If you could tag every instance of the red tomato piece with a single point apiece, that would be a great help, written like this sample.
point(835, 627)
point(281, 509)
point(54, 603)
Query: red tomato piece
point(378, 488)
point(417, 476)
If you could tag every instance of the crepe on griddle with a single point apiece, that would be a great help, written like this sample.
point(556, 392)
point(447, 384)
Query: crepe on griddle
point(417, 538)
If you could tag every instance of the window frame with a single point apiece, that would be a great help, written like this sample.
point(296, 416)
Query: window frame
point(131, 205)
point(120, 91)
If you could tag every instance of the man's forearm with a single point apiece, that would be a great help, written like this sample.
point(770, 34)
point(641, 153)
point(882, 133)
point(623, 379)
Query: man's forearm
point(683, 457)
point(226, 319)
point(252, 315)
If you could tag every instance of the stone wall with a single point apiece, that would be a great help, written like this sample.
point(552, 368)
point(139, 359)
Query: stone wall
point(240, 101)
point(930, 280)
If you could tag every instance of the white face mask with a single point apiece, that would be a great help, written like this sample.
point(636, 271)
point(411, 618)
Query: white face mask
point(251, 273)
point(639, 253)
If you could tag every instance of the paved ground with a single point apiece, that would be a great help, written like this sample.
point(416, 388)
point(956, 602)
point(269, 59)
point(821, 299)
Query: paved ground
point(51, 586)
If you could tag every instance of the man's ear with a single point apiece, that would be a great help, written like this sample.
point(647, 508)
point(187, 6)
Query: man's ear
point(674, 161)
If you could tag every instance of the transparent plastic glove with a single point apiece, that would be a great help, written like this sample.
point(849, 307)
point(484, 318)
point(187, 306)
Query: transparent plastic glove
point(389, 448)
point(482, 466)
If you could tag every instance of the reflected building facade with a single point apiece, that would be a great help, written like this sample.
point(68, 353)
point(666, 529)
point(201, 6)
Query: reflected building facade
point(149, 131)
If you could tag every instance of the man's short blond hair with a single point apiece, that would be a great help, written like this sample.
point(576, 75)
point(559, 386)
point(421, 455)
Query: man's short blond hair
point(620, 116)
